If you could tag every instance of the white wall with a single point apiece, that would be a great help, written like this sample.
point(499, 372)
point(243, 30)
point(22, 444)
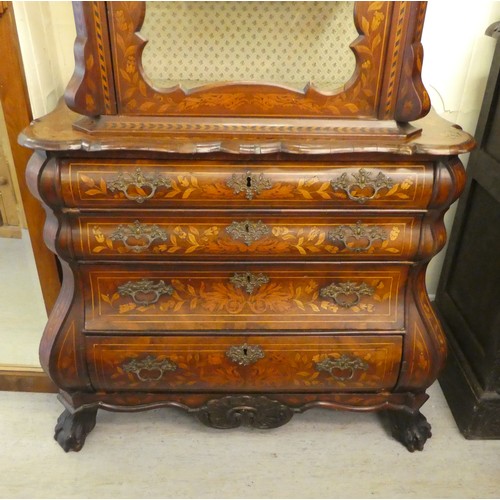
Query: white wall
point(457, 57)
point(46, 34)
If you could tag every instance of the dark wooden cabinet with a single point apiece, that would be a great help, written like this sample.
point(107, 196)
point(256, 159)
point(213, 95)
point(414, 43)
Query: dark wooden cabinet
point(240, 249)
point(469, 288)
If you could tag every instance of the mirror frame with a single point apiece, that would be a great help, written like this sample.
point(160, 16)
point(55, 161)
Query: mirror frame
point(110, 82)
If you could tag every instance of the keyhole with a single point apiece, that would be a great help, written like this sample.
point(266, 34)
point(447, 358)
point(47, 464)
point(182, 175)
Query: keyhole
point(245, 351)
point(248, 278)
point(247, 228)
point(249, 181)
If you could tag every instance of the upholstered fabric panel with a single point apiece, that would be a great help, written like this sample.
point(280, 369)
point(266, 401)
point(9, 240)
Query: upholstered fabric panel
point(280, 42)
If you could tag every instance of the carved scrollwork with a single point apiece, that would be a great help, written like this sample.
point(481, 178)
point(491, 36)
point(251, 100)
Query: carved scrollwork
point(364, 179)
point(145, 292)
point(358, 232)
point(124, 181)
point(248, 231)
point(232, 411)
point(342, 368)
point(249, 281)
point(149, 369)
point(249, 183)
point(347, 294)
point(245, 354)
point(143, 234)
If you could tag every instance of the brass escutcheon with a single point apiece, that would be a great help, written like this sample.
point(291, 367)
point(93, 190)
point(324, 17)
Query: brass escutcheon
point(141, 290)
point(245, 354)
point(363, 179)
point(138, 232)
point(347, 290)
point(358, 232)
point(248, 231)
point(249, 183)
point(249, 281)
point(126, 180)
point(151, 365)
point(342, 364)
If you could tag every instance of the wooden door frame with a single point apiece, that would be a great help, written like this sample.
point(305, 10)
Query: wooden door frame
point(17, 111)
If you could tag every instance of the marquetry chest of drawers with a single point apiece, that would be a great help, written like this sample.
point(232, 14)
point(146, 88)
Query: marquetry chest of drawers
point(244, 270)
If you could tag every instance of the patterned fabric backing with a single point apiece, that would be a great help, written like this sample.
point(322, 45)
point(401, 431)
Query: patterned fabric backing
point(291, 43)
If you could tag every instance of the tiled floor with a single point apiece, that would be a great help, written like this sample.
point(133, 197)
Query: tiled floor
point(22, 312)
point(168, 454)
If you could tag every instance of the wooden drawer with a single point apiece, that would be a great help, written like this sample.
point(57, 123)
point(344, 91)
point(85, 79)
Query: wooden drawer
point(253, 363)
point(218, 298)
point(246, 237)
point(142, 184)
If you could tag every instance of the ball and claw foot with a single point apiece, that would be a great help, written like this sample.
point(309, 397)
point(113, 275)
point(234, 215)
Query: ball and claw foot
point(72, 428)
point(411, 429)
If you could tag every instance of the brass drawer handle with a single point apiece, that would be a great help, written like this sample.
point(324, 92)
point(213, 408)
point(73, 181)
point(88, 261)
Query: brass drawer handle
point(248, 231)
point(126, 180)
point(363, 179)
point(245, 354)
point(145, 292)
point(250, 282)
point(149, 369)
point(347, 364)
point(346, 294)
point(248, 183)
point(137, 232)
point(358, 232)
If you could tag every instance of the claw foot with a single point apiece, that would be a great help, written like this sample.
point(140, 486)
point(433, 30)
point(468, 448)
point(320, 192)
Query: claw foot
point(72, 428)
point(411, 429)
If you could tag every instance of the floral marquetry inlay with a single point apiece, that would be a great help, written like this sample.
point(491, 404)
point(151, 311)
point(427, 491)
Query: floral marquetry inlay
point(146, 187)
point(262, 361)
point(251, 238)
point(273, 297)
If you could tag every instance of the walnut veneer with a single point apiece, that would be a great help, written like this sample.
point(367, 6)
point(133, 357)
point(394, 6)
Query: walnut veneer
point(244, 269)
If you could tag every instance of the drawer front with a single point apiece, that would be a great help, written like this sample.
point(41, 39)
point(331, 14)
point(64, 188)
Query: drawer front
point(246, 238)
point(219, 298)
point(244, 363)
point(202, 184)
